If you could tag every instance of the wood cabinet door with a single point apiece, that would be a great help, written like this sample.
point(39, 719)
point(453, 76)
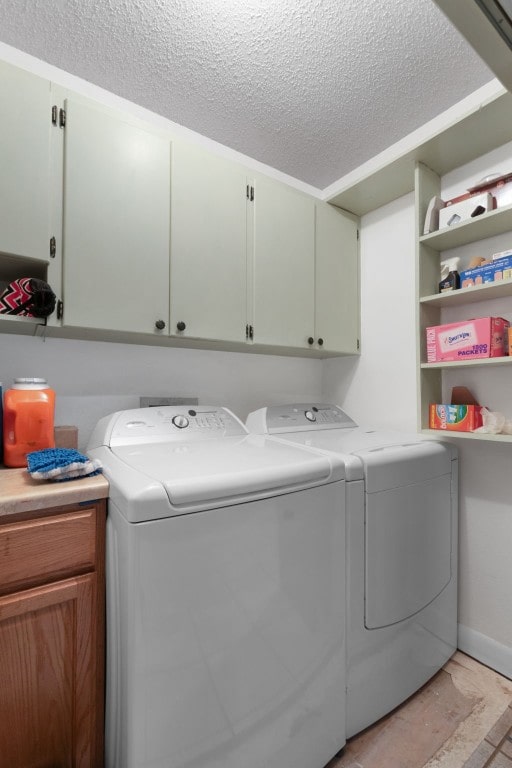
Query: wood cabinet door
point(283, 277)
point(337, 307)
point(116, 222)
point(208, 245)
point(48, 667)
point(25, 163)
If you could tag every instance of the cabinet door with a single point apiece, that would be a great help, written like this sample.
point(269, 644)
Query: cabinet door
point(283, 265)
point(116, 222)
point(337, 308)
point(48, 676)
point(208, 245)
point(25, 163)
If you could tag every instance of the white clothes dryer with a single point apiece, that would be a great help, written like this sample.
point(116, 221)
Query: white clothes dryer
point(401, 586)
point(225, 632)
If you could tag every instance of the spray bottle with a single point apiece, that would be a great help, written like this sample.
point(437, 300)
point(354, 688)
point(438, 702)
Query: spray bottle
point(450, 278)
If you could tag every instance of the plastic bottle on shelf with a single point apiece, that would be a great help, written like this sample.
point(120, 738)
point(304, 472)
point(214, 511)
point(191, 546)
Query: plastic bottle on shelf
point(29, 408)
point(450, 278)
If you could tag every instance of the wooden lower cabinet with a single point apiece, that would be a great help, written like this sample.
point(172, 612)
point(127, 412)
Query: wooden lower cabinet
point(52, 640)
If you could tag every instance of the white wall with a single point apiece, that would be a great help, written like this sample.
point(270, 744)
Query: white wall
point(380, 389)
point(93, 379)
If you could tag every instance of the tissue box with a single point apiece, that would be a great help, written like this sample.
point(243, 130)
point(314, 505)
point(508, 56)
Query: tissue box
point(470, 339)
point(455, 418)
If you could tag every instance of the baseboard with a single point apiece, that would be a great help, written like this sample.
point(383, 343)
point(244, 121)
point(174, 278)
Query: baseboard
point(486, 650)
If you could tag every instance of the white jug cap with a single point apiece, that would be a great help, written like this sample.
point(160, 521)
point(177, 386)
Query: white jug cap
point(27, 383)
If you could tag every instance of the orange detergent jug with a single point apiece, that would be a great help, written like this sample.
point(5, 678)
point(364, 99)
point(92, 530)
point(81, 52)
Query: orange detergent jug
point(29, 408)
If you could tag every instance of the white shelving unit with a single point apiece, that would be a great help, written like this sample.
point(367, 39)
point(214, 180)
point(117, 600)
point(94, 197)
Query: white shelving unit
point(475, 127)
point(469, 435)
point(470, 295)
point(430, 304)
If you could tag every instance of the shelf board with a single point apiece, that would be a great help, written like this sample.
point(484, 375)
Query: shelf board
point(21, 325)
point(488, 361)
point(468, 132)
point(471, 230)
point(470, 295)
point(467, 435)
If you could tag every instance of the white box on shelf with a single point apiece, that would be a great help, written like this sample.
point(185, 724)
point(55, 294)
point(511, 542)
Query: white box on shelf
point(465, 209)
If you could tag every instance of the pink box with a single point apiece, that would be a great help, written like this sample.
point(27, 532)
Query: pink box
point(470, 339)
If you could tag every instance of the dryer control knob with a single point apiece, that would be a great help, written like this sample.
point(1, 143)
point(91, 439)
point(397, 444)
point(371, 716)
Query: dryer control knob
point(310, 416)
point(180, 421)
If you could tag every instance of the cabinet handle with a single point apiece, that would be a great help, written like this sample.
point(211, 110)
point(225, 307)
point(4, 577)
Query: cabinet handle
point(160, 325)
point(320, 342)
point(181, 325)
point(311, 340)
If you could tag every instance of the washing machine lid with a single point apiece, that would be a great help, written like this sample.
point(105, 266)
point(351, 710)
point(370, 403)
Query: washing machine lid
point(198, 459)
point(385, 459)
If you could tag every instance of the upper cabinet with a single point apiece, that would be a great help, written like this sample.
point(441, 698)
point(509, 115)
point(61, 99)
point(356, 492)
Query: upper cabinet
point(142, 233)
point(116, 221)
point(337, 291)
point(250, 264)
point(25, 164)
point(208, 246)
point(283, 265)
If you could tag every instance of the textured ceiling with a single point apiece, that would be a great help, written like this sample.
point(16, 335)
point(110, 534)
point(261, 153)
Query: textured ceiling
point(311, 87)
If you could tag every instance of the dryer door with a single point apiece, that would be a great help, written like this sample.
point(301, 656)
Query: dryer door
point(408, 530)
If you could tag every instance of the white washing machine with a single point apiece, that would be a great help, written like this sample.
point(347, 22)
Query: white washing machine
point(401, 586)
point(225, 631)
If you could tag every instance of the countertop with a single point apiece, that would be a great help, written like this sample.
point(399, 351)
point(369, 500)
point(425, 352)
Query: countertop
point(20, 493)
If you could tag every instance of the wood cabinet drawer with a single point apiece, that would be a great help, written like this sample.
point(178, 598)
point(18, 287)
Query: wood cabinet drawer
point(46, 548)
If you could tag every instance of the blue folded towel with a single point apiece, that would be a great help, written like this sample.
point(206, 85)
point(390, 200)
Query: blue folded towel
point(61, 464)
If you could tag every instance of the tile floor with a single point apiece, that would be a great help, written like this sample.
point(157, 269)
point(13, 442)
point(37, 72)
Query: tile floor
point(495, 751)
point(462, 718)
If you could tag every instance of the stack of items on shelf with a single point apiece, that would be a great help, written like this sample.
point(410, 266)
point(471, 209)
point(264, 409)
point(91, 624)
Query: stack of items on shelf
point(470, 339)
point(478, 271)
point(462, 414)
point(482, 337)
point(481, 270)
point(495, 191)
point(465, 414)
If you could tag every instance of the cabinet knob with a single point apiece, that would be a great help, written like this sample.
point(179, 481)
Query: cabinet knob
point(160, 325)
point(320, 342)
point(311, 340)
point(180, 325)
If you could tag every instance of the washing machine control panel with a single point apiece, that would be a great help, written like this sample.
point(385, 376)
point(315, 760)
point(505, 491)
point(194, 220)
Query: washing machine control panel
point(298, 417)
point(172, 423)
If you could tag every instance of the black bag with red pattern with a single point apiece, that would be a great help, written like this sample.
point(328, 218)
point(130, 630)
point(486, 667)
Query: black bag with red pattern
point(28, 297)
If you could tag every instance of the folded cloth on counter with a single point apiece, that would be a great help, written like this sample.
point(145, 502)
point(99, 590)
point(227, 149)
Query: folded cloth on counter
point(61, 464)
